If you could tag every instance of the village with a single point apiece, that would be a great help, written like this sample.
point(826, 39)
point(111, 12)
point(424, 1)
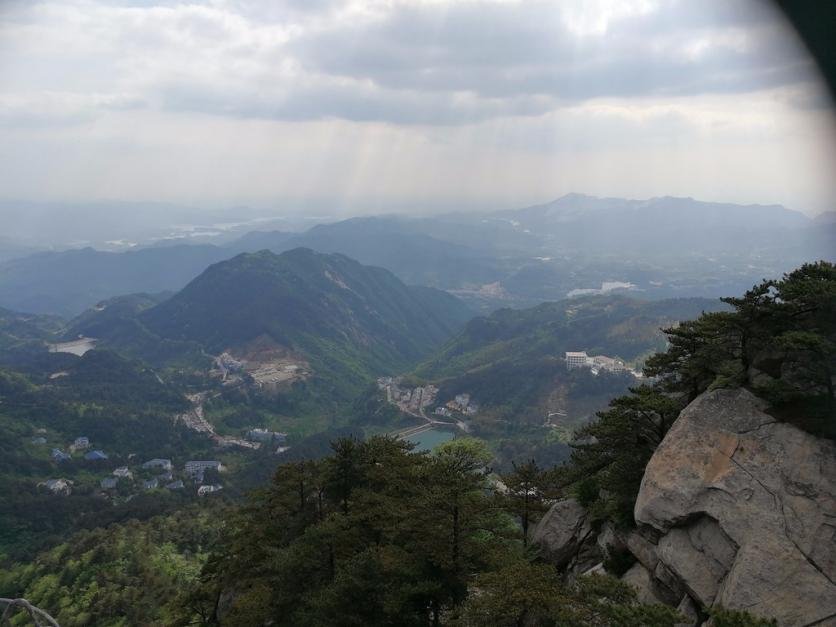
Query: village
point(153, 474)
point(415, 400)
point(597, 363)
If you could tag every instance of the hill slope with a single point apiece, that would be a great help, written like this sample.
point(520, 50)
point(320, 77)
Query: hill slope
point(512, 366)
point(311, 302)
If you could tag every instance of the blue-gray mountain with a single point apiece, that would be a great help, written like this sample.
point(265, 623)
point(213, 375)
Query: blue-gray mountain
point(662, 247)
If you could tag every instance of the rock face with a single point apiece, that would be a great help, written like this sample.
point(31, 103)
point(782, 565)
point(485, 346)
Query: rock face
point(566, 538)
point(743, 510)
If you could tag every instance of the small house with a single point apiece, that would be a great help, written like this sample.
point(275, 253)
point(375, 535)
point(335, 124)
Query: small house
point(151, 484)
point(81, 444)
point(123, 471)
point(162, 464)
point(208, 489)
point(60, 456)
point(61, 487)
point(109, 483)
point(175, 485)
point(96, 455)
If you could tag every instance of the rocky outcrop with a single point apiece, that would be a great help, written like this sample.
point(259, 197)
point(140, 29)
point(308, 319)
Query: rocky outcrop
point(566, 538)
point(735, 509)
point(744, 512)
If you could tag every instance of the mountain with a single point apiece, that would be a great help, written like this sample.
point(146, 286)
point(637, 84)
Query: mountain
point(618, 326)
point(512, 365)
point(392, 243)
point(657, 248)
point(315, 328)
point(67, 283)
point(316, 303)
point(657, 226)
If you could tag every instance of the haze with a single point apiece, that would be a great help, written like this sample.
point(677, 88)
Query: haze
point(388, 106)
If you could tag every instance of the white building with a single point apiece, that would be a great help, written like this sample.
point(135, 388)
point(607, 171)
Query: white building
point(123, 471)
point(58, 486)
point(208, 489)
point(577, 360)
point(602, 362)
point(80, 444)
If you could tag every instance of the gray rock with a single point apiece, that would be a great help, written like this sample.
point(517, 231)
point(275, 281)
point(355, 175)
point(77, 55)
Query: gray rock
point(689, 611)
point(700, 555)
point(610, 541)
point(642, 580)
point(747, 509)
point(642, 549)
point(566, 538)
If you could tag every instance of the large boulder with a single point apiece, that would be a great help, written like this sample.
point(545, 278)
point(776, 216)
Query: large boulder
point(744, 510)
point(566, 538)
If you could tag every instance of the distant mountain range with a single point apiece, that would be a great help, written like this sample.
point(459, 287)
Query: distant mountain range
point(659, 248)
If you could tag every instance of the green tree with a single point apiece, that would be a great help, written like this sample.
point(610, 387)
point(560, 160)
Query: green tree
point(525, 493)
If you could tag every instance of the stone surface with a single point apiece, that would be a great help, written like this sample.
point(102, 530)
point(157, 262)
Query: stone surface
point(642, 580)
point(564, 536)
point(689, 611)
point(610, 541)
point(747, 510)
point(701, 555)
point(643, 549)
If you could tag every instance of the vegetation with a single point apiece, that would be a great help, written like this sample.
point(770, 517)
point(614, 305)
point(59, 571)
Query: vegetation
point(420, 539)
point(127, 574)
point(778, 340)
point(105, 398)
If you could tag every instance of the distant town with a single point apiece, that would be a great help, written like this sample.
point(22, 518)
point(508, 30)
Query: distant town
point(157, 473)
point(597, 363)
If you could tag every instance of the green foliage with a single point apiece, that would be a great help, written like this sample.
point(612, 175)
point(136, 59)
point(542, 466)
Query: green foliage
point(106, 398)
point(532, 594)
point(721, 617)
point(779, 340)
point(610, 454)
point(129, 574)
point(378, 535)
point(525, 496)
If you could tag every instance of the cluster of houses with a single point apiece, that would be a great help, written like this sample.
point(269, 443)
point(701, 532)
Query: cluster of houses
point(596, 363)
point(193, 470)
point(155, 473)
point(81, 443)
point(459, 405)
point(410, 400)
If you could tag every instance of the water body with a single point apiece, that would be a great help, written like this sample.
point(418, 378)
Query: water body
point(428, 440)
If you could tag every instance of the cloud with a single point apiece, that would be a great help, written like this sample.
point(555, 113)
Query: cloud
point(375, 102)
point(400, 63)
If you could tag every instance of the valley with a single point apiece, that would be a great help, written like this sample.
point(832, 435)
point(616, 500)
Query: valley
point(268, 361)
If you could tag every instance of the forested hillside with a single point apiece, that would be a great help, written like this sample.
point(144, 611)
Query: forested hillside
point(512, 365)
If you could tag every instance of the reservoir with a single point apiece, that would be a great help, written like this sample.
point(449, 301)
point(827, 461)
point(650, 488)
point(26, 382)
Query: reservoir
point(428, 440)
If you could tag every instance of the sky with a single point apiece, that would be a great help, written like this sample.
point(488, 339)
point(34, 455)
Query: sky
point(355, 107)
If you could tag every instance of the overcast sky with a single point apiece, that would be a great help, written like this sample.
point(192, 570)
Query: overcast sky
point(371, 106)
